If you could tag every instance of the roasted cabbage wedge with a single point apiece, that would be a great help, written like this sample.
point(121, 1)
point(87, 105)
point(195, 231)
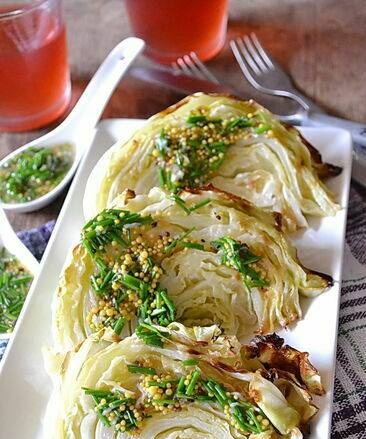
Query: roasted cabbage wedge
point(187, 383)
point(238, 146)
point(199, 258)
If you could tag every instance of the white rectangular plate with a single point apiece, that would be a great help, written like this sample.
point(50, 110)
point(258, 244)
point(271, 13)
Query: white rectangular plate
point(24, 385)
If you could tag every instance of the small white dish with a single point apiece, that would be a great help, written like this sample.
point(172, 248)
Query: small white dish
point(10, 241)
point(78, 129)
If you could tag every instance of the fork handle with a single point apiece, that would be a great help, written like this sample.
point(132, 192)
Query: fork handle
point(357, 130)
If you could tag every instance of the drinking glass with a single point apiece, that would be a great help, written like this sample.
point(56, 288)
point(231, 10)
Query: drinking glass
point(34, 73)
point(173, 28)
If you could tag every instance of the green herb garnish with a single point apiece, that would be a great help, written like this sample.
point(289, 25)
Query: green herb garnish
point(178, 241)
point(196, 119)
point(34, 172)
point(136, 284)
point(199, 205)
point(119, 325)
point(263, 128)
point(163, 384)
point(190, 388)
point(164, 311)
point(121, 272)
point(162, 143)
point(238, 256)
point(113, 407)
point(133, 368)
point(110, 225)
point(14, 284)
point(189, 156)
point(239, 122)
point(183, 205)
point(172, 394)
point(195, 245)
point(151, 335)
point(190, 362)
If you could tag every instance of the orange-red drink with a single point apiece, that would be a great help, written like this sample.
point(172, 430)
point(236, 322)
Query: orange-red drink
point(172, 28)
point(34, 72)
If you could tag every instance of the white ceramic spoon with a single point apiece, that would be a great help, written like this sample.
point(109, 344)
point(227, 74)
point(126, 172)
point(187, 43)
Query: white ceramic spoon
point(14, 245)
point(79, 127)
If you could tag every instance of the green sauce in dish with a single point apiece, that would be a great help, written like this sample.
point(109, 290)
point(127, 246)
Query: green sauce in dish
point(34, 172)
point(15, 281)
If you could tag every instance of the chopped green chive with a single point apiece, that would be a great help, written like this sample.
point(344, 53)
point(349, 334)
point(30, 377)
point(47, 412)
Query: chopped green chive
point(181, 203)
point(196, 119)
point(162, 384)
point(108, 226)
point(136, 284)
point(178, 241)
point(169, 303)
point(195, 245)
point(238, 256)
point(118, 326)
point(262, 128)
point(97, 393)
point(162, 143)
point(191, 386)
point(107, 402)
point(133, 368)
point(199, 205)
point(181, 386)
point(239, 122)
point(190, 362)
point(164, 401)
point(218, 146)
point(151, 335)
point(162, 177)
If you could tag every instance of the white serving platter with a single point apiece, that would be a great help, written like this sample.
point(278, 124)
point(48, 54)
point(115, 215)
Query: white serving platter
point(24, 385)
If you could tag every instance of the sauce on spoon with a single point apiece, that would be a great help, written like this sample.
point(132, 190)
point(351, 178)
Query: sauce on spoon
point(34, 172)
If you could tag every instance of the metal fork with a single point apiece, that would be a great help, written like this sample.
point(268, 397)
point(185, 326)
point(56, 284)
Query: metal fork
point(265, 74)
point(191, 65)
point(261, 71)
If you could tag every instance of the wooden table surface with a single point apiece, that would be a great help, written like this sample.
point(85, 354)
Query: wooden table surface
point(321, 43)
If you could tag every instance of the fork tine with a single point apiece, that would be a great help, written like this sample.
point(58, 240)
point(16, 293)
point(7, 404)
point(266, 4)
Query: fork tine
point(247, 56)
point(191, 65)
point(175, 67)
point(183, 67)
point(194, 68)
point(206, 73)
point(261, 51)
point(256, 57)
point(243, 63)
point(251, 72)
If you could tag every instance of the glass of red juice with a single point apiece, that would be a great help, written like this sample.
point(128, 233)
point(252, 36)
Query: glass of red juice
point(173, 28)
point(34, 72)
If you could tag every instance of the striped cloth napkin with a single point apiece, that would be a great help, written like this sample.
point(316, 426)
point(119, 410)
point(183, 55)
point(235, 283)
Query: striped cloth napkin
point(349, 411)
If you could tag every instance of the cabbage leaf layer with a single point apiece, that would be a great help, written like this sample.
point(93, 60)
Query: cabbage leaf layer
point(201, 258)
point(198, 384)
point(238, 146)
